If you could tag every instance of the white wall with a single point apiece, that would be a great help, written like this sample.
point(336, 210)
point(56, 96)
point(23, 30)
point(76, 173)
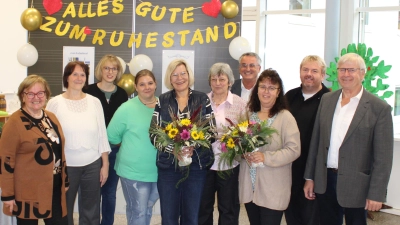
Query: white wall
point(12, 37)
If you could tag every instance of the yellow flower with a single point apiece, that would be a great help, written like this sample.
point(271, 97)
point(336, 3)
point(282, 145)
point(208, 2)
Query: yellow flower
point(195, 135)
point(168, 127)
point(201, 135)
point(230, 143)
point(235, 132)
point(172, 133)
point(185, 122)
point(222, 138)
point(243, 126)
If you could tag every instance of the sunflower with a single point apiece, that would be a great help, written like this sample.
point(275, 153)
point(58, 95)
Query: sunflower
point(168, 127)
point(201, 135)
point(195, 135)
point(222, 138)
point(230, 143)
point(172, 133)
point(185, 122)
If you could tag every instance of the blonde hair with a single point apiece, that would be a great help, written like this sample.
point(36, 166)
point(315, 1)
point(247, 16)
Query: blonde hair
point(171, 67)
point(98, 72)
point(28, 82)
point(314, 58)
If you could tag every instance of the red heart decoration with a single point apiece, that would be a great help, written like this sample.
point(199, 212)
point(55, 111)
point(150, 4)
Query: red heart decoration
point(52, 6)
point(87, 30)
point(211, 8)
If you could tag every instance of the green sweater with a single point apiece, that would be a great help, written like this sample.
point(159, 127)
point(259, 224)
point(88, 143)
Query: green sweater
point(136, 158)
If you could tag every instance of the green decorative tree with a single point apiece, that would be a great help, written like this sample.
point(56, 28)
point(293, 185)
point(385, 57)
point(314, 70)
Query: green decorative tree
point(373, 71)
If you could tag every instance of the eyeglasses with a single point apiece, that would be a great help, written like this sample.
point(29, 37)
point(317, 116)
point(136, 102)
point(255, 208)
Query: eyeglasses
point(270, 88)
point(350, 70)
point(181, 74)
point(252, 65)
point(31, 95)
point(112, 69)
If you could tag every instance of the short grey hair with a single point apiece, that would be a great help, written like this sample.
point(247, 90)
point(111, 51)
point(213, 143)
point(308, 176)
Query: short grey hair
point(221, 69)
point(252, 54)
point(354, 57)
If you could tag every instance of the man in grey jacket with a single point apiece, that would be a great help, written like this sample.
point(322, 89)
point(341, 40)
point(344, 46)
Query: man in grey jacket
point(351, 150)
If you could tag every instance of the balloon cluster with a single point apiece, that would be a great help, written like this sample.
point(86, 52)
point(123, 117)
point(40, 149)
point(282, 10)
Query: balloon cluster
point(229, 9)
point(137, 63)
point(31, 20)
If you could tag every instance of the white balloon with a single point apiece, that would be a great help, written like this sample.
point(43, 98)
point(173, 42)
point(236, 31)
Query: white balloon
point(122, 63)
point(140, 62)
point(238, 46)
point(27, 55)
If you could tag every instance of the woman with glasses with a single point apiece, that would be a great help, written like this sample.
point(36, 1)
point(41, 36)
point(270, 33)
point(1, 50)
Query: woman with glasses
point(86, 146)
point(225, 105)
point(265, 190)
point(33, 167)
point(108, 72)
point(180, 203)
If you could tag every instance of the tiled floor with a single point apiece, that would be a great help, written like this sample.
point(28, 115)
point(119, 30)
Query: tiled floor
point(380, 219)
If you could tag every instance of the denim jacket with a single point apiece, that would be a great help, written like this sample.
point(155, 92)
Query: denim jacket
point(203, 157)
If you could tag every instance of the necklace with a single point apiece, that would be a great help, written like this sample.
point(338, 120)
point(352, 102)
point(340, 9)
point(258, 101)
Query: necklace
point(44, 125)
point(148, 103)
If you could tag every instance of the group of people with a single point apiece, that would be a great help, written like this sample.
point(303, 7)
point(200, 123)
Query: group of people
point(91, 136)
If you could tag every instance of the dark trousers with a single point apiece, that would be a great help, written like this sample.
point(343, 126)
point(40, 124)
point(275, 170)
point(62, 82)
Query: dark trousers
point(262, 216)
point(227, 189)
point(86, 181)
point(180, 205)
point(301, 211)
point(331, 213)
point(56, 210)
point(109, 191)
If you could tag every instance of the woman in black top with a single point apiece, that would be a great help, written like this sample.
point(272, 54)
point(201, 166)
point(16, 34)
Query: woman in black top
point(108, 72)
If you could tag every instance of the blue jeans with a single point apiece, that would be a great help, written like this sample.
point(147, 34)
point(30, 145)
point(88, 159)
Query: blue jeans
point(180, 205)
point(109, 191)
point(140, 198)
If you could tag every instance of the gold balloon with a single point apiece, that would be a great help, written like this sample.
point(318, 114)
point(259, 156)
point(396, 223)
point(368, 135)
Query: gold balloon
point(127, 82)
point(229, 9)
point(31, 19)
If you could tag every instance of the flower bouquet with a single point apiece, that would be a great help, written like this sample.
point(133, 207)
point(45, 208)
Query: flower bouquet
point(242, 138)
point(182, 134)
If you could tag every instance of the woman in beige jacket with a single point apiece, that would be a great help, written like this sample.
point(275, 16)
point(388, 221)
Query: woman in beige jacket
point(265, 189)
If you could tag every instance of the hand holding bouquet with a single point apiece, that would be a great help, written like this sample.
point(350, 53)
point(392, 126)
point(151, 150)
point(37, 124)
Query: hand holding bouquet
point(184, 135)
point(242, 139)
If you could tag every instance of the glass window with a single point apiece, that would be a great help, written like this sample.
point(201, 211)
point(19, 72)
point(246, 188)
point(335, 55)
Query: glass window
point(248, 30)
point(397, 102)
point(289, 39)
point(294, 4)
point(381, 33)
point(249, 3)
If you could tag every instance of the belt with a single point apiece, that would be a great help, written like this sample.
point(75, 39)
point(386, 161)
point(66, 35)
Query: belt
point(333, 170)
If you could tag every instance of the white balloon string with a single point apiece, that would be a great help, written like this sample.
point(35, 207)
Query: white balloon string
point(32, 4)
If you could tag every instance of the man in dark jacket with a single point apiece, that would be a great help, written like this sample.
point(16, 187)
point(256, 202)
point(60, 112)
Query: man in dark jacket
point(249, 68)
